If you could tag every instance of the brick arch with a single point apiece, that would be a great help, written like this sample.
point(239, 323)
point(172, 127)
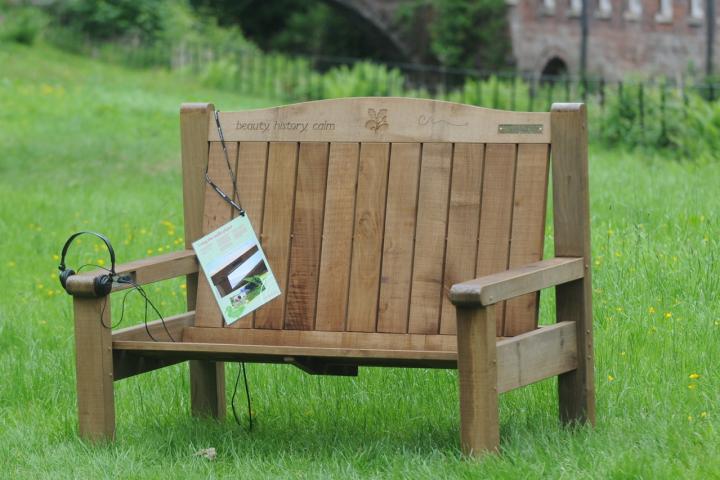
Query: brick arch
point(551, 52)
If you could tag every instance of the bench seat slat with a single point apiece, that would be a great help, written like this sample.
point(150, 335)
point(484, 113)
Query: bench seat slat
point(521, 360)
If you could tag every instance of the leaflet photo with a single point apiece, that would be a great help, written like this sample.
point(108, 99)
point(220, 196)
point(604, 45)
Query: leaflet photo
point(242, 275)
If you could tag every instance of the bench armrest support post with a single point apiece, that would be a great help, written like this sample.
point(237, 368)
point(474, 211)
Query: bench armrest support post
point(477, 376)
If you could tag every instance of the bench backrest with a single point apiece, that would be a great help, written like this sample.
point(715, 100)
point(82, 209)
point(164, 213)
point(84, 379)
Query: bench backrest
point(369, 209)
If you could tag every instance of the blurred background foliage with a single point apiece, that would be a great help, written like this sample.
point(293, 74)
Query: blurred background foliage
point(292, 50)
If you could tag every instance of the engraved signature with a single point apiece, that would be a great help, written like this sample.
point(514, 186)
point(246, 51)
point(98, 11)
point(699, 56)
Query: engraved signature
point(378, 120)
point(424, 120)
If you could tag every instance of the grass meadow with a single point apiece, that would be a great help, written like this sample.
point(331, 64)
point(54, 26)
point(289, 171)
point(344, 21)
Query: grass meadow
point(90, 146)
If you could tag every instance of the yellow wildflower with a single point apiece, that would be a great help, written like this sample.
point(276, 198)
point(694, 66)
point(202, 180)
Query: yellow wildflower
point(40, 286)
point(694, 376)
point(692, 386)
point(668, 314)
point(56, 257)
point(101, 262)
point(690, 418)
point(610, 378)
point(149, 251)
point(703, 414)
point(651, 310)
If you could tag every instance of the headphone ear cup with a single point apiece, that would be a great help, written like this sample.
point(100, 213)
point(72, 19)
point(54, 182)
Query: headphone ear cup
point(64, 275)
point(103, 285)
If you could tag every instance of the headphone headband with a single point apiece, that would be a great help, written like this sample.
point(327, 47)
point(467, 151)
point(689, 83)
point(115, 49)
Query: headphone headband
point(102, 237)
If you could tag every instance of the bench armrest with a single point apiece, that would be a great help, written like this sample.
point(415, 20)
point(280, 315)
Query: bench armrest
point(141, 272)
point(533, 277)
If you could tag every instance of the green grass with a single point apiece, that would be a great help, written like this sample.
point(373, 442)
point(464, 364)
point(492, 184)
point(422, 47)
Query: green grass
point(85, 145)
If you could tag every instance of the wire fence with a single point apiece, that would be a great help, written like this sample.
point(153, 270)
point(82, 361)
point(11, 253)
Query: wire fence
point(638, 112)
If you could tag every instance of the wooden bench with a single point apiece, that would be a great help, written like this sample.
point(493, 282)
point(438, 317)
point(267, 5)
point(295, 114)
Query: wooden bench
point(402, 232)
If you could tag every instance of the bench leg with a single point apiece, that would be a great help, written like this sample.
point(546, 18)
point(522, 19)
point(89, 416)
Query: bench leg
point(477, 374)
point(94, 368)
point(577, 388)
point(207, 389)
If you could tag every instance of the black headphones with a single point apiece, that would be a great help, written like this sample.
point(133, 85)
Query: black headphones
point(103, 283)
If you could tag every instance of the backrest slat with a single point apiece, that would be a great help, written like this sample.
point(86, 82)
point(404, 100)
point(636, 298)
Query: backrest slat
point(306, 236)
point(397, 257)
point(526, 245)
point(277, 225)
point(367, 237)
point(339, 218)
point(426, 290)
point(463, 223)
point(251, 169)
point(217, 213)
point(496, 214)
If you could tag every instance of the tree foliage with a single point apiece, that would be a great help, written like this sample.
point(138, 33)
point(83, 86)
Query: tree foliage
point(470, 33)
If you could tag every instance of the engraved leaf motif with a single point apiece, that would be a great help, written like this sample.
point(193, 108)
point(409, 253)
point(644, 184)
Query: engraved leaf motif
point(378, 120)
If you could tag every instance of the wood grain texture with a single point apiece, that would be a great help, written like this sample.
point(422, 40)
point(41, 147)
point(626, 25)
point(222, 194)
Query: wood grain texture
point(174, 324)
point(463, 224)
point(427, 278)
point(217, 213)
point(399, 241)
point(363, 120)
point(478, 379)
point(251, 170)
point(141, 272)
point(306, 236)
point(94, 368)
point(533, 356)
point(528, 231)
point(334, 282)
point(368, 236)
point(517, 281)
point(496, 215)
point(194, 135)
point(323, 339)
point(277, 226)
point(571, 217)
point(524, 359)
